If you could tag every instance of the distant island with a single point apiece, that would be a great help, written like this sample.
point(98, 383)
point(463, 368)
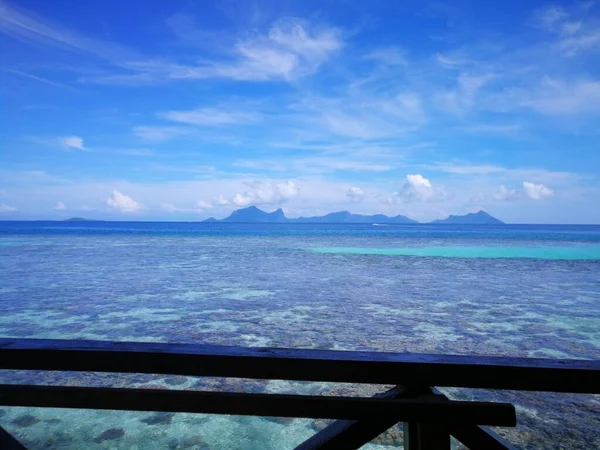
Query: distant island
point(478, 218)
point(252, 214)
point(80, 219)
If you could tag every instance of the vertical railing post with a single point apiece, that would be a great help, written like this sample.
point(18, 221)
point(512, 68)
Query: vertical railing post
point(423, 436)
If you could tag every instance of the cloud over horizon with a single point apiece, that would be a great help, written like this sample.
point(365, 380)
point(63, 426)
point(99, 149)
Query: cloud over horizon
point(122, 202)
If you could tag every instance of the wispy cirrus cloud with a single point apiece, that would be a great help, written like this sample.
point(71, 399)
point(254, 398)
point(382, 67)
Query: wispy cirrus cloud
point(363, 115)
point(26, 26)
point(286, 50)
point(489, 128)
point(388, 56)
point(558, 97)
point(449, 61)
point(320, 164)
point(37, 78)
point(482, 169)
point(159, 133)
point(575, 30)
point(210, 116)
point(465, 96)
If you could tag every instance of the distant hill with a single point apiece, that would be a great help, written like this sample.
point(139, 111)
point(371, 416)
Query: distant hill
point(478, 218)
point(80, 219)
point(347, 217)
point(253, 214)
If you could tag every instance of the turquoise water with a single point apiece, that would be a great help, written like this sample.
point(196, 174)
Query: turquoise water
point(500, 290)
point(590, 252)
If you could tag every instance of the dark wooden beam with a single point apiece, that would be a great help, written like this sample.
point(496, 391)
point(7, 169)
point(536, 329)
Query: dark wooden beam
point(426, 436)
point(276, 405)
point(578, 376)
point(352, 434)
point(480, 438)
point(8, 442)
point(473, 436)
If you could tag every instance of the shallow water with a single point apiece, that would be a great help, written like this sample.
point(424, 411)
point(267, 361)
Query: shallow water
point(509, 290)
point(587, 252)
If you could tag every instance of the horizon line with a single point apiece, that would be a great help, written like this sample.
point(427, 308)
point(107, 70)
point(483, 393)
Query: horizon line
point(218, 222)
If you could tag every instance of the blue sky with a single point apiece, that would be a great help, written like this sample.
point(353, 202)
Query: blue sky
point(182, 110)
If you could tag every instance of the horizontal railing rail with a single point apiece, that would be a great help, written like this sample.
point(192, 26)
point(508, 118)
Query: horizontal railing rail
point(409, 369)
point(275, 405)
point(429, 417)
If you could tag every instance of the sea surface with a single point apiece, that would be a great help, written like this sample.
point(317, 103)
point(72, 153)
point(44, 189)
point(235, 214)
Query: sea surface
point(514, 290)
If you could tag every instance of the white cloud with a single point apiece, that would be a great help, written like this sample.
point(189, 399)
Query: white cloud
point(287, 190)
point(417, 188)
point(72, 142)
point(169, 207)
point(60, 206)
point(241, 200)
point(122, 202)
point(199, 207)
point(7, 209)
point(210, 117)
point(537, 191)
point(355, 194)
point(202, 205)
point(507, 194)
point(530, 190)
point(266, 193)
point(222, 201)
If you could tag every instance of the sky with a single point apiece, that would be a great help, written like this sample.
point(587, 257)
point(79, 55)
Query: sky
point(183, 110)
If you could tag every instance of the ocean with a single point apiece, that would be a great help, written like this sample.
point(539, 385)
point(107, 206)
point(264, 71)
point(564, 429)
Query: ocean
point(512, 290)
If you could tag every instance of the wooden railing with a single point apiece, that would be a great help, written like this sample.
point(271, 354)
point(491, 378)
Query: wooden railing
point(429, 417)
